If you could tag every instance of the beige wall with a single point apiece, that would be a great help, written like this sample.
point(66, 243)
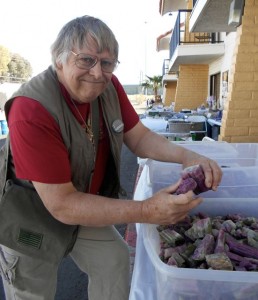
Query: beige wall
point(240, 115)
point(192, 86)
point(170, 92)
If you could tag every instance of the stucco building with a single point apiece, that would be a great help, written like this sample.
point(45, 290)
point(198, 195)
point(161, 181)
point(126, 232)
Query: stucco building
point(213, 55)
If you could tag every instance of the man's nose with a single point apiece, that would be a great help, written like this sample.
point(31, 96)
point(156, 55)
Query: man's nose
point(96, 71)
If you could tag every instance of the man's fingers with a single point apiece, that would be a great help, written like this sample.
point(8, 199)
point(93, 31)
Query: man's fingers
point(212, 173)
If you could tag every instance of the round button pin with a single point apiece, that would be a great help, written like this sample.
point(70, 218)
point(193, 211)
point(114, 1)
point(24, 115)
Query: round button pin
point(118, 126)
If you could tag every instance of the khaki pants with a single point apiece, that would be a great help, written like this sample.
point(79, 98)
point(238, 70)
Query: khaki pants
point(99, 252)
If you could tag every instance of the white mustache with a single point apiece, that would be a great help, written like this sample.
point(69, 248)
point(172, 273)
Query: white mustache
point(93, 81)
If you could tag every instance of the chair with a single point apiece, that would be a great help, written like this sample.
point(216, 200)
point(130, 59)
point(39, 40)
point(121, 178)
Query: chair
point(198, 128)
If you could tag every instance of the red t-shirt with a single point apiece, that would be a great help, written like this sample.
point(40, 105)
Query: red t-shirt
point(36, 142)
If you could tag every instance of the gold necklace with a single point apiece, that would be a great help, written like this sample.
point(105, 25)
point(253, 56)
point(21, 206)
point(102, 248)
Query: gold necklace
point(88, 129)
point(90, 135)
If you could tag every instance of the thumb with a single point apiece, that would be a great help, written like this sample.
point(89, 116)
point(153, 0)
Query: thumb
point(171, 189)
point(184, 198)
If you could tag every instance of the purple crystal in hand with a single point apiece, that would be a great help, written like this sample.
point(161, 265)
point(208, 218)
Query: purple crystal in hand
point(190, 174)
point(187, 184)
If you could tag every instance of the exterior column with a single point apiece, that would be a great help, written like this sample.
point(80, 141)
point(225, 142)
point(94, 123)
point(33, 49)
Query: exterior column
point(240, 115)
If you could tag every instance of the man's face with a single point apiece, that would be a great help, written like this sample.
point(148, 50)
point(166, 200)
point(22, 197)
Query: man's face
point(84, 85)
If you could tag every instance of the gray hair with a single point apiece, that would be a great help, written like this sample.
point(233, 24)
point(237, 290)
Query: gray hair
point(77, 33)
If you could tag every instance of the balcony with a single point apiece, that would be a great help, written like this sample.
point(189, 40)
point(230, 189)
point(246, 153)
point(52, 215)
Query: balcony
point(165, 68)
point(192, 47)
point(166, 75)
point(210, 16)
point(166, 6)
point(163, 41)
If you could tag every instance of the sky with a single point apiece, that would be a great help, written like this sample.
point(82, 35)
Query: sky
point(29, 27)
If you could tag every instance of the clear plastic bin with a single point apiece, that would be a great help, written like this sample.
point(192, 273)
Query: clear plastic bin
point(223, 150)
point(212, 150)
point(180, 283)
point(240, 177)
point(246, 150)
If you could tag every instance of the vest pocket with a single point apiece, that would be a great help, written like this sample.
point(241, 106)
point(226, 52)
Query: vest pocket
point(27, 226)
point(8, 264)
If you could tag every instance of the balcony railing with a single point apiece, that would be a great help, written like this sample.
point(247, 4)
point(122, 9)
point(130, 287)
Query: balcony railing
point(165, 67)
point(182, 36)
point(194, 2)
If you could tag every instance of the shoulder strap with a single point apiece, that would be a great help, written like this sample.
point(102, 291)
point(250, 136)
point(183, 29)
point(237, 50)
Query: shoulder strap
point(95, 122)
point(4, 157)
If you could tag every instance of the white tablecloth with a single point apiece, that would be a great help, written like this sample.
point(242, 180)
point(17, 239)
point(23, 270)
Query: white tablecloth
point(143, 285)
point(155, 124)
point(213, 122)
point(159, 125)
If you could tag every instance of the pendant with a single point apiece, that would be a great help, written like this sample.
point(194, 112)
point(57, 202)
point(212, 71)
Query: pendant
point(90, 135)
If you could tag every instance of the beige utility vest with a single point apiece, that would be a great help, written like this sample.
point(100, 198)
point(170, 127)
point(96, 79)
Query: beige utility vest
point(45, 89)
point(16, 222)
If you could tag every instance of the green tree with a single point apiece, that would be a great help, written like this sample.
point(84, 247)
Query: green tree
point(145, 86)
point(13, 67)
point(5, 58)
point(19, 68)
point(155, 83)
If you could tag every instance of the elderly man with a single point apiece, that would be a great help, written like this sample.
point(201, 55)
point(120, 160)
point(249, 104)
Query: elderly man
point(61, 183)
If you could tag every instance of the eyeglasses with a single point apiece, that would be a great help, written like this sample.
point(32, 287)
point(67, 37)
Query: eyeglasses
point(86, 62)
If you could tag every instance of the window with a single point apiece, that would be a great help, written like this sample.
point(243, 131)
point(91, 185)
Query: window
point(215, 87)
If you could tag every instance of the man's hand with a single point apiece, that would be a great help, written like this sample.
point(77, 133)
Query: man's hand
point(211, 169)
point(166, 208)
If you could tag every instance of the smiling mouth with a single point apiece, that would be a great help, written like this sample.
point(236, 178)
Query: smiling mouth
point(92, 81)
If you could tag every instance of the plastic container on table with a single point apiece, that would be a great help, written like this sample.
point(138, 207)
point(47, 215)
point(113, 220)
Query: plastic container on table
point(185, 284)
point(246, 150)
point(212, 149)
point(222, 149)
point(236, 181)
point(240, 173)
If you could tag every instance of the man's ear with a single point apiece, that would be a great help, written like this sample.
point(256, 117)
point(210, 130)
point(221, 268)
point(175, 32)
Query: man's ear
point(59, 65)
